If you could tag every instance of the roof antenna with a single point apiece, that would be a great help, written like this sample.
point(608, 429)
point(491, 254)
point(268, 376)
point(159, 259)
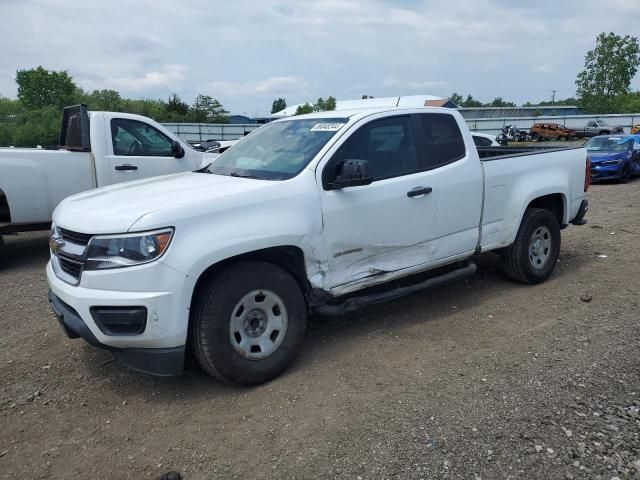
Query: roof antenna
point(398, 102)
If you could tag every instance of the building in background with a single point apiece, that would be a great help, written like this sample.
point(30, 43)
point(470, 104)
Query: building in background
point(405, 101)
point(515, 112)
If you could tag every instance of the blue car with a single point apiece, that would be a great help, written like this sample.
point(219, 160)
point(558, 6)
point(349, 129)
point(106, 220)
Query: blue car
point(614, 157)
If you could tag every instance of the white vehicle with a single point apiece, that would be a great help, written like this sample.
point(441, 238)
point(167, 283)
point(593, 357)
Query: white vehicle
point(484, 139)
point(96, 149)
point(308, 213)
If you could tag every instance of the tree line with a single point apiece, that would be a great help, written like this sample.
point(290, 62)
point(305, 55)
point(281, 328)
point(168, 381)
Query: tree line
point(34, 117)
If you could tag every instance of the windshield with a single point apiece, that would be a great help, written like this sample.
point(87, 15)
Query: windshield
point(608, 144)
point(277, 151)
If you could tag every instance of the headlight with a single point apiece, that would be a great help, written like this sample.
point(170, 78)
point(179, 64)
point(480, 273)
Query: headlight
point(116, 251)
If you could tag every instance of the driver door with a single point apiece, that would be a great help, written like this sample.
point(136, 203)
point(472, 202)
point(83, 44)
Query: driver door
point(140, 150)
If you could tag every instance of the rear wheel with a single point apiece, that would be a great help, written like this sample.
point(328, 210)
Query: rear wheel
point(533, 255)
point(248, 323)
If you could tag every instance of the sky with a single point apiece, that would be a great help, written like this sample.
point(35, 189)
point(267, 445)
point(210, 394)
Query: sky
point(247, 53)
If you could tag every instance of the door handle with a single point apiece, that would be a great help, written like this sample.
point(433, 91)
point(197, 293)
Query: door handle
point(416, 192)
point(126, 166)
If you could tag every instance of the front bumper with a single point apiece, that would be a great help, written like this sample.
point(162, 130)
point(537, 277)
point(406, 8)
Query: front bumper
point(159, 349)
point(605, 172)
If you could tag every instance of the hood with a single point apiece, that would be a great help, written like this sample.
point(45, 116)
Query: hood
point(598, 156)
point(116, 208)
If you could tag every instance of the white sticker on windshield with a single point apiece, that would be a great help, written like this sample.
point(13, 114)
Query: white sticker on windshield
point(326, 127)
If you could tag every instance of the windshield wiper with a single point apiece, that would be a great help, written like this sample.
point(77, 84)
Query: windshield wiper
point(204, 169)
point(234, 174)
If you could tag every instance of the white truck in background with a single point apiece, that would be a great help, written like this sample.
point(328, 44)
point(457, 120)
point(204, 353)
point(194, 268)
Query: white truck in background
point(323, 212)
point(96, 149)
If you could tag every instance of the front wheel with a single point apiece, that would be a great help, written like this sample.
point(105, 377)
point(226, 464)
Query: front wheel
point(534, 253)
point(248, 322)
point(625, 174)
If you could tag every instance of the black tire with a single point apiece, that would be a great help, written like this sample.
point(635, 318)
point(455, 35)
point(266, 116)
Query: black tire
point(211, 320)
point(517, 259)
point(625, 175)
point(535, 137)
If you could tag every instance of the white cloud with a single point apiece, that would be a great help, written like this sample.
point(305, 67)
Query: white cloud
point(169, 76)
point(425, 85)
point(248, 53)
point(268, 85)
point(545, 68)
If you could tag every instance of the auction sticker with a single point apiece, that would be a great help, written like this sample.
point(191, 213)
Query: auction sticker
point(326, 127)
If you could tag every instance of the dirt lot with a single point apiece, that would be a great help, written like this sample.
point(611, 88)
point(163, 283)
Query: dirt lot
point(483, 379)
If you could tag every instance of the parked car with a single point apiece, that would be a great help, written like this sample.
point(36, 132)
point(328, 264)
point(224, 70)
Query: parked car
point(484, 139)
point(614, 157)
point(214, 146)
point(599, 127)
point(95, 149)
point(635, 129)
point(308, 213)
point(551, 131)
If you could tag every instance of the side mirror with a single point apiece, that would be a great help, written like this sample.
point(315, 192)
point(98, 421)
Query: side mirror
point(351, 173)
point(177, 149)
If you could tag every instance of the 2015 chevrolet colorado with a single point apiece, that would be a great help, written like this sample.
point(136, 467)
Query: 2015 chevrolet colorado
point(321, 212)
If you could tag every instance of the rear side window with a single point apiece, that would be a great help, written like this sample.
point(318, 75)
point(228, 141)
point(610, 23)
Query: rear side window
point(131, 137)
point(387, 144)
point(481, 141)
point(442, 139)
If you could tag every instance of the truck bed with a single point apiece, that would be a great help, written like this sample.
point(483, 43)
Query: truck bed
point(511, 182)
point(497, 153)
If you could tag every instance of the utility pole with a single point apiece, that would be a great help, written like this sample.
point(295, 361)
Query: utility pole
point(553, 97)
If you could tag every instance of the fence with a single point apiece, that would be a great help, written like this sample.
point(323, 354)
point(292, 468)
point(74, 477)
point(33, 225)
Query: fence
point(577, 122)
point(199, 132)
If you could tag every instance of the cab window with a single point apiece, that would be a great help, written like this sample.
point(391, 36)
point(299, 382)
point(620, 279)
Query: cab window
point(387, 144)
point(442, 139)
point(135, 138)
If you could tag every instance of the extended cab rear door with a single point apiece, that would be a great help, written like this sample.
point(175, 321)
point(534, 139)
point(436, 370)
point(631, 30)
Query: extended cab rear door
point(140, 150)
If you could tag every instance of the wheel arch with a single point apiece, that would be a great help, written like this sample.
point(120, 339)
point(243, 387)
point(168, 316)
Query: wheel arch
point(5, 211)
point(288, 257)
point(556, 203)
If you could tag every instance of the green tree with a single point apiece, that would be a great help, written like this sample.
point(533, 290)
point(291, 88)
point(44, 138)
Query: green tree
point(319, 106)
point(106, 100)
point(278, 105)
point(302, 109)
point(499, 102)
point(330, 104)
point(176, 106)
point(471, 102)
point(209, 110)
point(609, 69)
point(456, 98)
point(39, 88)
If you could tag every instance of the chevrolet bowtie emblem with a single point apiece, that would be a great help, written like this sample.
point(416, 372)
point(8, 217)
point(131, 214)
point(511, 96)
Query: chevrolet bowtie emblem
point(55, 243)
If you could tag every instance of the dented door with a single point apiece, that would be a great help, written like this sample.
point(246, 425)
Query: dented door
point(388, 225)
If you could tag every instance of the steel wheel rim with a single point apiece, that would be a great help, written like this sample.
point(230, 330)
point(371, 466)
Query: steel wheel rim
point(258, 324)
point(540, 247)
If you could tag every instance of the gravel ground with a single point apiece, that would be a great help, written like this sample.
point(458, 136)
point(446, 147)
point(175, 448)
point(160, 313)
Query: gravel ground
point(482, 379)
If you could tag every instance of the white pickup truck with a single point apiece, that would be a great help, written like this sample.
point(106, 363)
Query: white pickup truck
point(96, 149)
point(316, 213)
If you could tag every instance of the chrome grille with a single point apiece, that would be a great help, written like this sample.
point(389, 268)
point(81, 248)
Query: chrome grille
point(74, 237)
point(70, 267)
